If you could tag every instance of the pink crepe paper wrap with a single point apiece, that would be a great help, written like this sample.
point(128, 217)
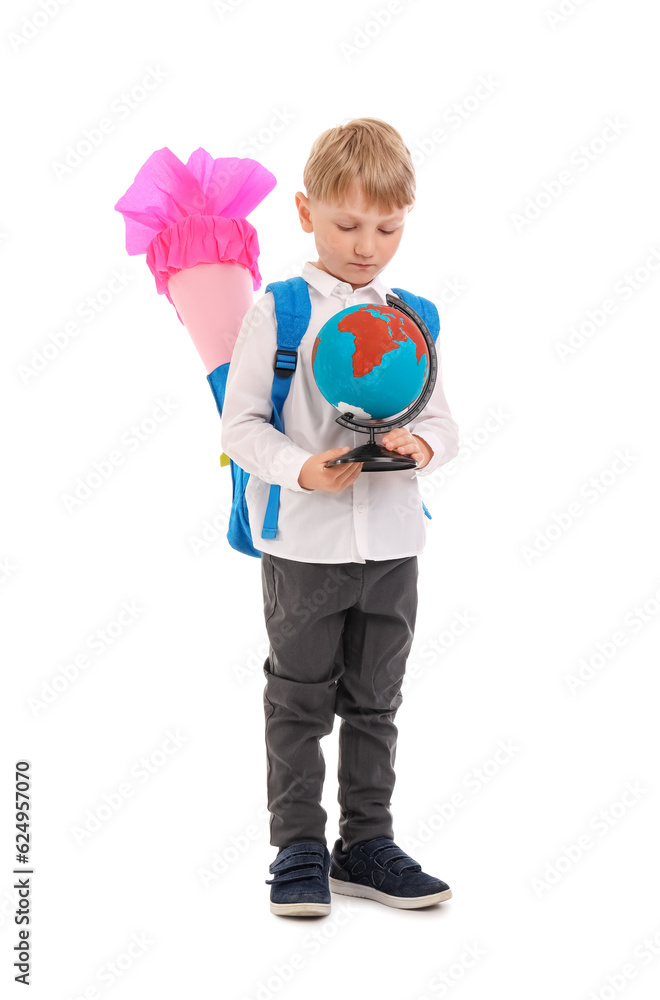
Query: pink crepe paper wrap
point(187, 216)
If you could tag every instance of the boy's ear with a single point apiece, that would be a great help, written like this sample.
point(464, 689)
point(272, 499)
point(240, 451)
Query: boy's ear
point(302, 204)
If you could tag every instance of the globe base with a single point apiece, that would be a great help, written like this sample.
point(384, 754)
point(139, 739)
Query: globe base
point(375, 458)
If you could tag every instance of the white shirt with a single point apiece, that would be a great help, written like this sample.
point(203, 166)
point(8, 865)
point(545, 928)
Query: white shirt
point(380, 516)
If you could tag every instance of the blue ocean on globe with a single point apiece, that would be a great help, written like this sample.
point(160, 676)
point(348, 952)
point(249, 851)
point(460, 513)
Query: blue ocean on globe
point(371, 360)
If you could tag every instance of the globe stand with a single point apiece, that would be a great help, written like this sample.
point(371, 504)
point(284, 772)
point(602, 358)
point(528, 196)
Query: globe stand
point(376, 457)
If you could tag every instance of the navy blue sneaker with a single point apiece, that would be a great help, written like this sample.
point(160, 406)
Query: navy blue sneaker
point(380, 870)
point(300, 886)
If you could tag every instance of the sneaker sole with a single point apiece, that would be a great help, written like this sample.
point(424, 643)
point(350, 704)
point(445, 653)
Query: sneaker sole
point(300, 909)
point(400, 902)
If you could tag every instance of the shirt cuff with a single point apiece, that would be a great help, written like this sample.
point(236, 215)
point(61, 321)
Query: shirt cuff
point(287, 465)
point(434, 442)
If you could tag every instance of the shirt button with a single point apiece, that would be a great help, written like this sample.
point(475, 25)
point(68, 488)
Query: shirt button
point(360, 508)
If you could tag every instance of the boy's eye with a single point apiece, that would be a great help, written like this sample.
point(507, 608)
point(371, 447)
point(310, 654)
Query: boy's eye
point(347, 229)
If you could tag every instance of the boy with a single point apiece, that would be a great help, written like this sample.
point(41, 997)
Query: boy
point(340, 580)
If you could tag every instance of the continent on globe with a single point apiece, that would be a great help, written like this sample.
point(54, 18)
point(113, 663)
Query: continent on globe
point(374, 335)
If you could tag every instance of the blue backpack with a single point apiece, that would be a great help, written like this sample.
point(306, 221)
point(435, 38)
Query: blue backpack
point(292, 313)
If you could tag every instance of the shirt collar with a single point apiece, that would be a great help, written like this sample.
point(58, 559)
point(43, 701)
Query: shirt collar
point(327, 284)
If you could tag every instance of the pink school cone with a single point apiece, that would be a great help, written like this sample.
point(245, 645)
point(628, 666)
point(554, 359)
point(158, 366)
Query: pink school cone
point(190, 220)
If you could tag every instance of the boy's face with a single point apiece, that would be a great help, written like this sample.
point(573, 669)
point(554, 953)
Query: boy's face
point(354, 240)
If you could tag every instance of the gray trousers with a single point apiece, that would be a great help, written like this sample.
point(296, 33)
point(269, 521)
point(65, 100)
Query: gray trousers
point(339, 635)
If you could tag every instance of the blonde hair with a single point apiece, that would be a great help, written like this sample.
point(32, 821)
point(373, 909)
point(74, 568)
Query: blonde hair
point(366, 150)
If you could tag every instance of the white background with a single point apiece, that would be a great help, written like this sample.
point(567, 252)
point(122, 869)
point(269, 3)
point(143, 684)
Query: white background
point(541, 595)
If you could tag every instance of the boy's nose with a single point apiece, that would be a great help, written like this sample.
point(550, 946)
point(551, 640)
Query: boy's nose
point(364, 248)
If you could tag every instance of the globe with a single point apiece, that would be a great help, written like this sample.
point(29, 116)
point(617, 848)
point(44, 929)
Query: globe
point(370, 360)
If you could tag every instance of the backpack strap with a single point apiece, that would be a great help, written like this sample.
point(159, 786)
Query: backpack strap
point(293, 310)
point(426, 309)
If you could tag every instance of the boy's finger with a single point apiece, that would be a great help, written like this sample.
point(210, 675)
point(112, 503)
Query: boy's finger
point(347, 469)
point(351, 470)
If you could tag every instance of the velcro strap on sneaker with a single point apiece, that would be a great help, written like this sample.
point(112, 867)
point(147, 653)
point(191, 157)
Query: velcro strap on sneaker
point(294, 875)
point(300, 858)
point(291, 865)
point(394, 860)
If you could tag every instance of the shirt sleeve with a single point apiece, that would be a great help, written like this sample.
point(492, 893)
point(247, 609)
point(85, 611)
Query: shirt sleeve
point(436, 425)
point(247, 435)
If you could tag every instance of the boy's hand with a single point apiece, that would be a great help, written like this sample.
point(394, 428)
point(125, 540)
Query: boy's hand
point(401, 440)
point(315, 475)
